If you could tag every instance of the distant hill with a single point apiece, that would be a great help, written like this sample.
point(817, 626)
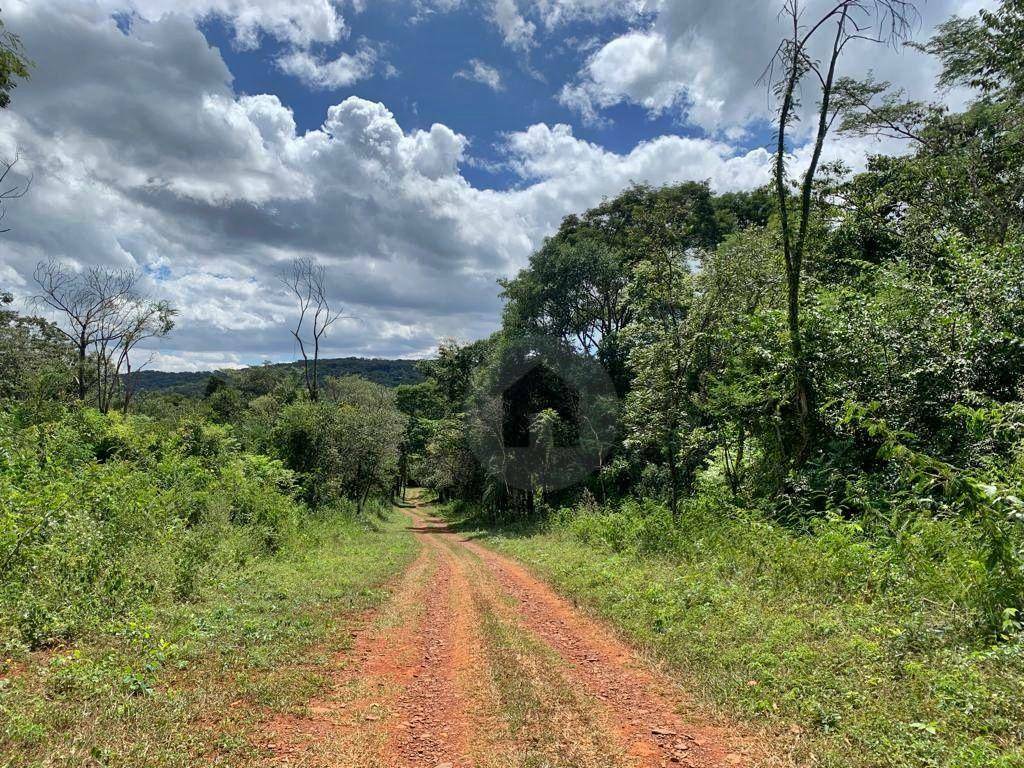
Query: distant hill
point(390, 373)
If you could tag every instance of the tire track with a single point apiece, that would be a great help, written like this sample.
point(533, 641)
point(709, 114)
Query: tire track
point(475, 663)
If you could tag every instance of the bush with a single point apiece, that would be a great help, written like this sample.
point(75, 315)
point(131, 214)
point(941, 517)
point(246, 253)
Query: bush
point(101, 514)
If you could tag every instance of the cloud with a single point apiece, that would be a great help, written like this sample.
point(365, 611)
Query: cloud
point(554, 13)
point(568, 174)
point(701, 61)
point(520, 21)
point(340, 72)
point(162, 361)
point(514, 27)
point(479, 72)
point(143, 156)
point(298, 23)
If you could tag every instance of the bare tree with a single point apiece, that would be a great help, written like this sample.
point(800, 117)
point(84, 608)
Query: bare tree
point(85, 303)
point(133, 322)
point(102, 312)
point(307, 280)
point(148, 321)
point(10, 190)
point(878, 21)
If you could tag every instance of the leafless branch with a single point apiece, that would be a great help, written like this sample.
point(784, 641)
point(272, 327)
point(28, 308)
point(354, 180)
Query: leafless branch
point(18, 190)
point(101, 312)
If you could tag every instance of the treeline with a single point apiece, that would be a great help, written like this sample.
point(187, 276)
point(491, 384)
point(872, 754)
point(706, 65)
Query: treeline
point(389, 373)
point(873, 376)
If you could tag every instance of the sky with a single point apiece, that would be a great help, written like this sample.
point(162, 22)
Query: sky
point(419, 149)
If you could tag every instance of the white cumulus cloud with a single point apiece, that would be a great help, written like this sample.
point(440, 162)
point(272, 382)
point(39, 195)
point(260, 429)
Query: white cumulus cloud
point(341, 71)
point(480, 72)
point(703, 60)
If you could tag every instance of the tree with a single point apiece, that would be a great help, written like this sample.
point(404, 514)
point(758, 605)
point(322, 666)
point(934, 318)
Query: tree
point(967, 172)
point(661, 349)
point(423, 405)
point(346, 444)
point(14, 65)
point(891, 20)
point(35, 358)
point(145, 320)
point(984, 52)
point(86, 302)
point(451, 468)
point(102, 313)
point(575, 285)
point(307, 280)
point(371, 434)
point(453, 368)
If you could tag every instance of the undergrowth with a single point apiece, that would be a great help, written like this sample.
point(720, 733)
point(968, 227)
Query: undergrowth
point(163, 592)
point(856, 649)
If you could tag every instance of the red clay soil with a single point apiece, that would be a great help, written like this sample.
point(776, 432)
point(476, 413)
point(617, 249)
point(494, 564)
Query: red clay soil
point(415, 691)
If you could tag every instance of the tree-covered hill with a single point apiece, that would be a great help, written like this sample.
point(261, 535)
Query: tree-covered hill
point(390, 373)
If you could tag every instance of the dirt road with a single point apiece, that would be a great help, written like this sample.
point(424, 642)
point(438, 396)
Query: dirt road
point(475, 663)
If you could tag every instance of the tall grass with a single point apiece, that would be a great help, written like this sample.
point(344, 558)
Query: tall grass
point(162, 592)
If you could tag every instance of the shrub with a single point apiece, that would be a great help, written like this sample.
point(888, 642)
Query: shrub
point(101, 514)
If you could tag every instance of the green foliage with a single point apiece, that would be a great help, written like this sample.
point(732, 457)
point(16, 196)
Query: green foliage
point(36, 364)
point(452, 370)
point(346, 445)
point(983, 52)
point(879, 381)
point(575, 287)
point(862, 648)
point(14, 66)
point(172, 682)
point(992, 514)
point(813, 505)
point(100, 515)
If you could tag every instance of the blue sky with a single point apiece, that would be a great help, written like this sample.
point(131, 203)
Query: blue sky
point(206, 143)
point(426, 54)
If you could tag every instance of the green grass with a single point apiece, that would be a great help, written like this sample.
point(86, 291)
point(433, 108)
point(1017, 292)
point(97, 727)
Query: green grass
point(178, 684)
point(552, 724)
point(857, 654)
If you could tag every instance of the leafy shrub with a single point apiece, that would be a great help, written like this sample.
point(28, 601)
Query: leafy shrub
point(100, 514)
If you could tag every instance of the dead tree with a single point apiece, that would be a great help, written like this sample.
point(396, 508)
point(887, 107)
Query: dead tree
point(135, 321)
point(307, 280)
point(878, 21)
point(149, 321)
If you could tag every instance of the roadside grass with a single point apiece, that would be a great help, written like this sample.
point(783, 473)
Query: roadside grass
point(855, 653)
point(177, 684)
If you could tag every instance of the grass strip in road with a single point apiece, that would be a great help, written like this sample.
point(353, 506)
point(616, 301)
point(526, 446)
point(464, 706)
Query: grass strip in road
point(551, 725)
point(182, 683)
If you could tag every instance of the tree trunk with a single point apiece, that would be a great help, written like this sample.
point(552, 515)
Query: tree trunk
point(803, 388)
point(673, 474)
point(127, 384)
point(81, 369)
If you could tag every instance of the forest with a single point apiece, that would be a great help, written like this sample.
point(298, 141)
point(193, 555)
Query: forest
point(774, 437)
point(193, 383)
